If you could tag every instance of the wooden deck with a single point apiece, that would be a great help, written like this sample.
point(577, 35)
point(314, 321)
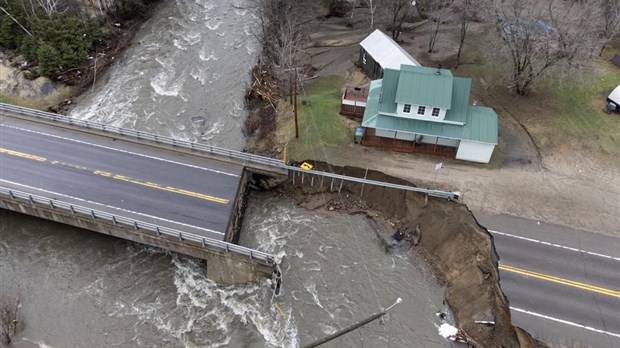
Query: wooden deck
point(354, 102)
point(370, 139)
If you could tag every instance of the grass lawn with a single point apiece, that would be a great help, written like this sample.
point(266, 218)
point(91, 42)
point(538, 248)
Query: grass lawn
point(560, 113)
point(582, 103)
point(322, 130)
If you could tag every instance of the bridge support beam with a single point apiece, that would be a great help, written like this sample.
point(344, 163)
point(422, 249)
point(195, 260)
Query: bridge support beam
point(224, 267)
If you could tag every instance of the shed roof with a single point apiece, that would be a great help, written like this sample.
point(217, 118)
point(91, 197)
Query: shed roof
point(386, 51)
point(424, 86)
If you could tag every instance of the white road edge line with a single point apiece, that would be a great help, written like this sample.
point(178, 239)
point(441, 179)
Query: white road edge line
point(555, 245)
point(564, 322)
point(111, 207)
point(119, 150)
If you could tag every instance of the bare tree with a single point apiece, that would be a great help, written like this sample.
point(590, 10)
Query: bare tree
point(433, 34)
point(50, 6)
point(10, 318)
point(464, 20)
point(399, 11)
point(610, 12)
point(537, 36)
point(372, 6)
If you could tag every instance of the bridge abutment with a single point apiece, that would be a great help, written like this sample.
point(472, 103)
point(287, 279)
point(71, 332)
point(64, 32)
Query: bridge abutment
point(222, 266)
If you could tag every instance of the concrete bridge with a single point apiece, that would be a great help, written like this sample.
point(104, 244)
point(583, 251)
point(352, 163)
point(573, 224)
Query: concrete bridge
point(177, 195)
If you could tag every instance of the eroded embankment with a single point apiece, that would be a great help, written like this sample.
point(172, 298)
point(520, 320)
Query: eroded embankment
point(460, 251)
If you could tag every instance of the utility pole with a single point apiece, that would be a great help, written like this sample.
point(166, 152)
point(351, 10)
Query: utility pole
point(352, 327)
point(295, 107)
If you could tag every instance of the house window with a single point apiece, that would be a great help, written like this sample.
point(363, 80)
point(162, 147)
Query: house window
point(407, 108)
point(435, 112)
point(421, 110)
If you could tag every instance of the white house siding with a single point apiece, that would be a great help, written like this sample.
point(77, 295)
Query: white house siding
point(414, 113)
point(475, 152)
point(393, 134)
point(385, 133)
point(442, 141)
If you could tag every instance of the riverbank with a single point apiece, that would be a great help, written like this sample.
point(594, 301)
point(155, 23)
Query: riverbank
point(21, 83)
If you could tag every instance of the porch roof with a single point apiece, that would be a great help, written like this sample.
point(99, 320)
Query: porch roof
point(481, 126)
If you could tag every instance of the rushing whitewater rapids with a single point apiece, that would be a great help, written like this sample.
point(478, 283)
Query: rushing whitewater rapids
point(83, 289)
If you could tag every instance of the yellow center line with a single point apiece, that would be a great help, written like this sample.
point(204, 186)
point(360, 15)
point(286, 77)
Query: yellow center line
point(22, 155)
point(558, 280)
point(162, 187)
point(117, 177)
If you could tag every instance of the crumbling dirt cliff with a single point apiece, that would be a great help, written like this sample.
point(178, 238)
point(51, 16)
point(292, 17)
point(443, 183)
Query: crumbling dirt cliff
point(460, 250)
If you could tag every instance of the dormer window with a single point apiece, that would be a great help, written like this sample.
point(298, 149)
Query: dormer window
point(407, 108)
point(435, 112)
point(421, 110)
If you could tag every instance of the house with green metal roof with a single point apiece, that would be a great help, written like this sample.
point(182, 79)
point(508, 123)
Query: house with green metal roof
point(421, 109)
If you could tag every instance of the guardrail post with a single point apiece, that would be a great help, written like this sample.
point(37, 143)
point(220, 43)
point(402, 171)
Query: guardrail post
point(321, 186)
point(204, 243)
point(365, 176)
point(92, 213)
point(114, 220)
point(227, 248)
point(52, 204)
point(251, 255)
point(340, 188)
point(180, 236)
point(135, 225)
point(294, 173)
point(157, 231)
point(426, 199)
point(31, 199)
point(302, 178)
point(11, 194)
point(331, 186)
point(311, 180)
point(72, 210)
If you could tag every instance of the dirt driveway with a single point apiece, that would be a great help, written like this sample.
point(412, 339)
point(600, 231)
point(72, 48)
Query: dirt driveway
point(563, 187)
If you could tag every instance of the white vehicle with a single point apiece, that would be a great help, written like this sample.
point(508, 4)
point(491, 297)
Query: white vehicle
point(613, 101)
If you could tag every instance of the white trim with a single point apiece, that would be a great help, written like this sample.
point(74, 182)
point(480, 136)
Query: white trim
point(421, 119)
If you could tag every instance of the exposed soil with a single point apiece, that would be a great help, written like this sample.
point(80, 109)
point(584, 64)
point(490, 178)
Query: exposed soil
point(460, 251)
point(558, 186)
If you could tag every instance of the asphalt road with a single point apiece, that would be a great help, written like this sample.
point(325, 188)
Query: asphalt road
point(172, 189)
point(563, 284)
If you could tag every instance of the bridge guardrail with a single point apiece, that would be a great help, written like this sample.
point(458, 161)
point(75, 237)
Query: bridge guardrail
point(242, 156)
point(263, 257)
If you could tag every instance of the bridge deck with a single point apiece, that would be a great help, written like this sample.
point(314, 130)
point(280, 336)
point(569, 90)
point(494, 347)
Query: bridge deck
point(167, 188)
